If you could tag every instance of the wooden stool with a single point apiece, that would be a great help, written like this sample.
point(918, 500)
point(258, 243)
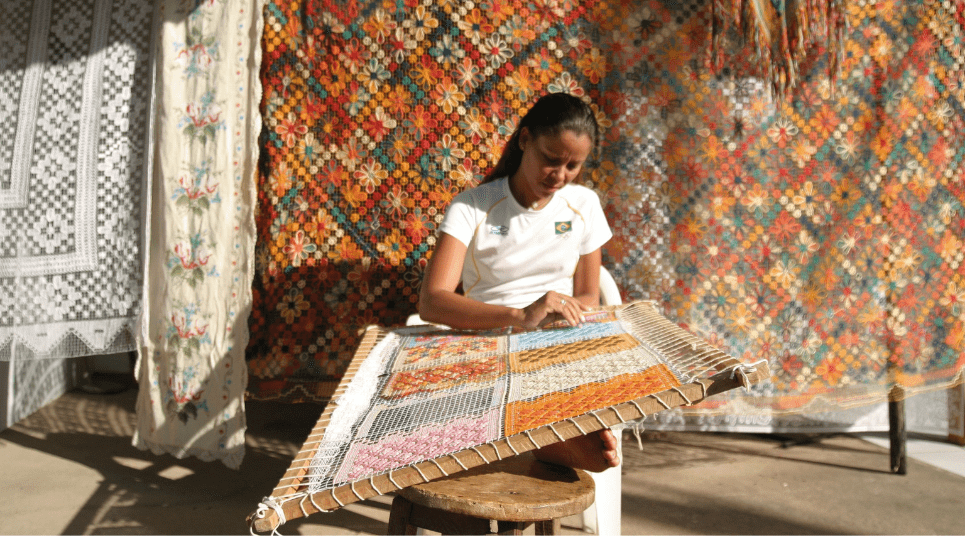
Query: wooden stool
point(515, 492)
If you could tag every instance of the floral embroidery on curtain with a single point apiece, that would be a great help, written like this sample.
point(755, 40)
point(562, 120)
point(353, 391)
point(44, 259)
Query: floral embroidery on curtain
point(191, 372)
point(820, 229)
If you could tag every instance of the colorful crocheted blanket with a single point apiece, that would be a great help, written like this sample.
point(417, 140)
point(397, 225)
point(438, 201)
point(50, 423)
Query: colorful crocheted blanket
point(424, 402)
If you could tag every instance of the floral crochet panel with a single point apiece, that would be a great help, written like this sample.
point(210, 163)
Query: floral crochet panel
point(466, 400)
point(820, 229)
point(388, 430)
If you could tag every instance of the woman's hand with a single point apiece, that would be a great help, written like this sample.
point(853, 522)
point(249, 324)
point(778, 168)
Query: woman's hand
point(552, 303)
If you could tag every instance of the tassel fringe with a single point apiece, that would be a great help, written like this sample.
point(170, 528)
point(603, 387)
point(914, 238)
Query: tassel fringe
point(780, 32)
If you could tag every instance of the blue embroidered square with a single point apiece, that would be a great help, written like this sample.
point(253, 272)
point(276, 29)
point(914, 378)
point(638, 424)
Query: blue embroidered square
point(521, 342)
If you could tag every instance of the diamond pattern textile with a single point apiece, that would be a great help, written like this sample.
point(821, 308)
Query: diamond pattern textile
point(820, 228)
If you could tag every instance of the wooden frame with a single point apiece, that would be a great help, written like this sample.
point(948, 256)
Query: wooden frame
point(293, 497)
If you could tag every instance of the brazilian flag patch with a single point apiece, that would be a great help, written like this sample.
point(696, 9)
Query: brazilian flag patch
point(563, 227)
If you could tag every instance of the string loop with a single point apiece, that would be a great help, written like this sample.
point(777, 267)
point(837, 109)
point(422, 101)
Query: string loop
point(740, 372)
point(266, 504)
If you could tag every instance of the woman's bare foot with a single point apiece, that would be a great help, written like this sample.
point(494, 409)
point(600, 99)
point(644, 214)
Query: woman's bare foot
point(594, 452)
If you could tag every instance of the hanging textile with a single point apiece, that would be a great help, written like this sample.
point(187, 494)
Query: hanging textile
point(30, 384)
point(194, 331)
point(820, 229)
point(73, 132)
point(938, 413)
point(780, 34)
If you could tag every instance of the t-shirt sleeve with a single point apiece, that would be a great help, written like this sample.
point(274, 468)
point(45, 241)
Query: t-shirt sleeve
point(597, 229)
point(459, 221)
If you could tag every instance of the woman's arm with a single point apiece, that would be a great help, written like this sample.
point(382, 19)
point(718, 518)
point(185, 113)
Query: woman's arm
point(439, 302)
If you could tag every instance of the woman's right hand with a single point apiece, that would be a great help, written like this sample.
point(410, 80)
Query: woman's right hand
point(543, 310)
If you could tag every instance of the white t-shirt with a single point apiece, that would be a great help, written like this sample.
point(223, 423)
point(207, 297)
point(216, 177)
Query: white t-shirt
point(516, 254)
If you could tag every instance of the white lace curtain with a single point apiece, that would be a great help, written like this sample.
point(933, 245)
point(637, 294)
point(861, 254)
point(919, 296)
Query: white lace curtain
point(73, 104)
point(73, 132)
point(81, 132)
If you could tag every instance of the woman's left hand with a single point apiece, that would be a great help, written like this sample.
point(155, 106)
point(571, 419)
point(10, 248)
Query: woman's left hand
point(543, 310)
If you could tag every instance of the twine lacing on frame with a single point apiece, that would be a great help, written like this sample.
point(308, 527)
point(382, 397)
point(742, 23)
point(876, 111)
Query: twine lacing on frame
point(474, 449)
point(441, 470)
point(269, 504)
point(311, 498)
point(423, 475)
point(638, 429)
point(740, 372)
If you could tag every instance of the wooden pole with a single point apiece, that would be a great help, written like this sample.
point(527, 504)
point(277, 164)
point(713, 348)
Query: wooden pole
point(956, 412)
point(897, 433)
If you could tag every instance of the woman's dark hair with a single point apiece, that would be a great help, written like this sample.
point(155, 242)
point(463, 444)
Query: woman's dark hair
point(552, 114)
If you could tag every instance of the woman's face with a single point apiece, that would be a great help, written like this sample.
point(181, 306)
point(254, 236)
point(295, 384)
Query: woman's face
point(549, 163)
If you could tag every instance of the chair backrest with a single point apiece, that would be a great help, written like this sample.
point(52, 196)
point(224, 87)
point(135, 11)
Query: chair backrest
point(609, 291)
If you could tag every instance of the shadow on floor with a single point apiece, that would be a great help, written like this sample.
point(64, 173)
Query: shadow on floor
point(136, 492)
point(70, 469)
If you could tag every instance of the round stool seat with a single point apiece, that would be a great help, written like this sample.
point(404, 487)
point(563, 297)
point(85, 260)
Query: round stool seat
point(519, 489)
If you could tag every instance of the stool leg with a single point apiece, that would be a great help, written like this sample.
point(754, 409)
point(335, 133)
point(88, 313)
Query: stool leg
point(550, 526)
point(399, 516)
point(510, 527)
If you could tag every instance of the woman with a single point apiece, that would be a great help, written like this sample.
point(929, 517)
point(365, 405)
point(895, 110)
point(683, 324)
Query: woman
point(526, 245)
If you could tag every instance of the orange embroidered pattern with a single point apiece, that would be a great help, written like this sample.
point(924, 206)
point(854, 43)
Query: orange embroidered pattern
point(555, 407)
point(479, 370)
point(538, 358)
point(426, 348)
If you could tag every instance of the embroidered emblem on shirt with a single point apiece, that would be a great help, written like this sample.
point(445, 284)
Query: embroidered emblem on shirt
point(563, 227)
point(500, 230)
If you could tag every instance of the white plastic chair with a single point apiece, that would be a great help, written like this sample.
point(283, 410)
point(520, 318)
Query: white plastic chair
point(603, 517)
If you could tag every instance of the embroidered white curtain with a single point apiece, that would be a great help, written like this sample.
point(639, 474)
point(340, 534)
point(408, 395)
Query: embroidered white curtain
point(191, 370)
point(73, 132)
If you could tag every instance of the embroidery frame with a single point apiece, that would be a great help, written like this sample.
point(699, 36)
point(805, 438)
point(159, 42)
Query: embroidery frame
point(672, 368)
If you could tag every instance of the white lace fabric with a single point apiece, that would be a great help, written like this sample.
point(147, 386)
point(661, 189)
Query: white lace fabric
point(73, 113)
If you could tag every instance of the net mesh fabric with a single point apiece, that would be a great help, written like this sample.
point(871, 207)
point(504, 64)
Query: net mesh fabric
point(465, 408)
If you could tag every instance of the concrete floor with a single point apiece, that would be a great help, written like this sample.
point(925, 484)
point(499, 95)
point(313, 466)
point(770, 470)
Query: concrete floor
point(70, 469)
